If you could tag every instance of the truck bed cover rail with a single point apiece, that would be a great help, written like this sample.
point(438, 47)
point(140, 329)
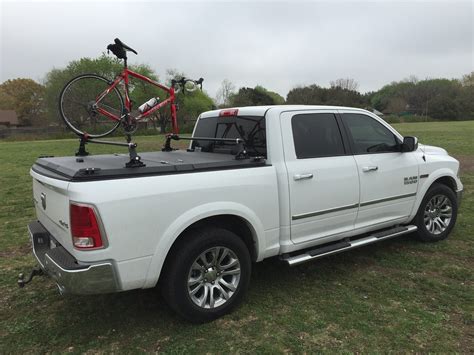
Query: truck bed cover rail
point(111, 166)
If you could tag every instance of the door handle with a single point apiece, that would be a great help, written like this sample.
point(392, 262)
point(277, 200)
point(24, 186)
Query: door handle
point(366, 169)
point(297, 177)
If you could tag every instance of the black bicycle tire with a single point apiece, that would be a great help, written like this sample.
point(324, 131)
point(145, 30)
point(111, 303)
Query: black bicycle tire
point(69, 124)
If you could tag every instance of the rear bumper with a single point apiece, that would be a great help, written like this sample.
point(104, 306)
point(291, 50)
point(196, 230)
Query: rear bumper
point(70, 275)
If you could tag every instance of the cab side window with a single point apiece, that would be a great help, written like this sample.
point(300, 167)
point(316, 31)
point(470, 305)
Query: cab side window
point(316, 135)
point(369, 136)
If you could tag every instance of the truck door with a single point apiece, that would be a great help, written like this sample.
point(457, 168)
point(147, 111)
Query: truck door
point(322, 175)
point(388, 177)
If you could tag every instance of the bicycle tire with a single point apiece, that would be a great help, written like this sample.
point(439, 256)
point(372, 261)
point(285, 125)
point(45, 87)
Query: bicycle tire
point(78, 113)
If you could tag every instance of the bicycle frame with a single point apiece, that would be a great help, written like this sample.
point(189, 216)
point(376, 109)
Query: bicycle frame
point(124, 76)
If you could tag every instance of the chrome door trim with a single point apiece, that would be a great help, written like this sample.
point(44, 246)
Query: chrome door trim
point(348, 207)
point(318, 213)
point(373, 202)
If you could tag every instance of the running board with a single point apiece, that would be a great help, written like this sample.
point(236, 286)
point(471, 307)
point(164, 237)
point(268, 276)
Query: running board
point(347, 245)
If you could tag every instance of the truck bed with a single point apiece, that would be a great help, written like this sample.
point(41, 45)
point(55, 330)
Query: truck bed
point(112, 166)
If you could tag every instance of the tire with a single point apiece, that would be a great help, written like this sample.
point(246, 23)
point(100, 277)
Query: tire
point(437, 214)
point(76, 106)
point(184, 280)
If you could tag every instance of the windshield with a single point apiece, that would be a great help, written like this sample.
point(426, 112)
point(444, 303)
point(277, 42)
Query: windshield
point(250, 128)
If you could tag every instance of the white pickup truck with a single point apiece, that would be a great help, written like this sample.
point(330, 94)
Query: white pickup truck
point(313, 181)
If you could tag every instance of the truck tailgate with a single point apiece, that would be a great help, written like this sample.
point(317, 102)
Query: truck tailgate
point(52, 207)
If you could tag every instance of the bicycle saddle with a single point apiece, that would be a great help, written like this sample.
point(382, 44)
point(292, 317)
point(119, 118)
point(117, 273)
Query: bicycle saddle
point(120, 49)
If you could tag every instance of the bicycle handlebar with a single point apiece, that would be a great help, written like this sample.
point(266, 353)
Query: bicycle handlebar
point(182, 82)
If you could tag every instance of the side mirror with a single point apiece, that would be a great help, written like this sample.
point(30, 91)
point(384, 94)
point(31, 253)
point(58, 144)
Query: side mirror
point(410, 144)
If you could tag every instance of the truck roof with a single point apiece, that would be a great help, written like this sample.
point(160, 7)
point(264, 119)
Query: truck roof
point(261, 110)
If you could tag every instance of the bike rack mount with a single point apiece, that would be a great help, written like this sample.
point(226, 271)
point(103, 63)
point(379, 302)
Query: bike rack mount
point(135, 159)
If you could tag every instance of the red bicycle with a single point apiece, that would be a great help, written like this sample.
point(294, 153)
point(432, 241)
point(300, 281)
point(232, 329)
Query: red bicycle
point(92, 106)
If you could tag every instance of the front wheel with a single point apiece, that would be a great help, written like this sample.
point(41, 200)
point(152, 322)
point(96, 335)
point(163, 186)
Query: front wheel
point(207, 275)
point(437, 214)
point(80, 110)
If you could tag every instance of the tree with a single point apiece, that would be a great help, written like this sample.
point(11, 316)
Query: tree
point(391, 93)
point(397, 104)
point(316, 95)
point(465, 102)
point(258, 96)
point(224, 93)
point(276, 97)
point(443, 107)
point(25, 96)
point(305, 95)
point(468, 79)
point(429, 97)
point(7, 102)
point(346, 84)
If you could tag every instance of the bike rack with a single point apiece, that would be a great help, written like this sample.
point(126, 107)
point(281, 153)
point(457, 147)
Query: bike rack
point(241, 154)
point(135, 159)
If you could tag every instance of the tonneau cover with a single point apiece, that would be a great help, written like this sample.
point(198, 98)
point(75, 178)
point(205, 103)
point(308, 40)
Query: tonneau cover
point(112, 166)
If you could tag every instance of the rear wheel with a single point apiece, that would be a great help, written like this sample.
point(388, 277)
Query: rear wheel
point(79, 109)
point(437, 214)
point(208, 274)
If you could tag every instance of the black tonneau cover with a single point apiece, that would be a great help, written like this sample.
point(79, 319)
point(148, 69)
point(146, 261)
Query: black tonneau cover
point(112, 166)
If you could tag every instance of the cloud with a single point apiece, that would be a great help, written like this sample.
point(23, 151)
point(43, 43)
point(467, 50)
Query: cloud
point(276, 44)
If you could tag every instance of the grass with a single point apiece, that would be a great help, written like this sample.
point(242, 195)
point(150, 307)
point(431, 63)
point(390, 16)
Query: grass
point(399, 295)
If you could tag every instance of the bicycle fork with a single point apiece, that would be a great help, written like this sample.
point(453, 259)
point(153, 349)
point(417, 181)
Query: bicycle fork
point(174, 119)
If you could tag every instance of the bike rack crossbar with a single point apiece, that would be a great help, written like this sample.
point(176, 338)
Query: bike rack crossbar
point(231, 140)
point(135, 160)
point(242, 152)
point(120, 144)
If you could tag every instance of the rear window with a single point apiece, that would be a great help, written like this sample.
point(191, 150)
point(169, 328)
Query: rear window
point(249, 128)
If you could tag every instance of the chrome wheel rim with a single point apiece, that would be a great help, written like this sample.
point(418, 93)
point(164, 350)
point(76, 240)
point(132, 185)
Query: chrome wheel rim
point(214, 277)
point(438, 214)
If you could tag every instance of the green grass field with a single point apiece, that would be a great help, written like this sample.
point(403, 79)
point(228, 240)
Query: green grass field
point(399, 295)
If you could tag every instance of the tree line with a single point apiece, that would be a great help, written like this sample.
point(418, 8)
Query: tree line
point(36, 104)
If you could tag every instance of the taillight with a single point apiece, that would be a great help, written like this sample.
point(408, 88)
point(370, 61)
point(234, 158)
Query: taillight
point(228, 113)
point(85, 227)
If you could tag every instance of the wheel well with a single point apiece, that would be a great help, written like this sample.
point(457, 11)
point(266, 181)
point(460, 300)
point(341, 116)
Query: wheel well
point(448, 181)
point(235, 224)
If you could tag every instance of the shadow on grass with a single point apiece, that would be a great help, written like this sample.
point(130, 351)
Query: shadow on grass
point(270, 277)
point(314, 298)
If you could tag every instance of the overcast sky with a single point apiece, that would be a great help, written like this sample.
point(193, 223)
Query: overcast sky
point(275, 44)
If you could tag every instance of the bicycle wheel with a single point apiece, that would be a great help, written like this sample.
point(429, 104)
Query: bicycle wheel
point(78, 106)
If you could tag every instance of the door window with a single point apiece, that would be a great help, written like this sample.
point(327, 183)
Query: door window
point(316, 135)
point(368, 135)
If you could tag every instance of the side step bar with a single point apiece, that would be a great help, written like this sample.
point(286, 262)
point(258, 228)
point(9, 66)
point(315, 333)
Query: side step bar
point(348, 245)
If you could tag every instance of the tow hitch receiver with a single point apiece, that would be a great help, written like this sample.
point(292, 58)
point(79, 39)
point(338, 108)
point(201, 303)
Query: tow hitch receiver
point(36, 271)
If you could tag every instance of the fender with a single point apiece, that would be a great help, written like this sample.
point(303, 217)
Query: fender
point(194, 215)
point(422, 189)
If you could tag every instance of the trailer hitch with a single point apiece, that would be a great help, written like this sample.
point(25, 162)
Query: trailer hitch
point(36, 271)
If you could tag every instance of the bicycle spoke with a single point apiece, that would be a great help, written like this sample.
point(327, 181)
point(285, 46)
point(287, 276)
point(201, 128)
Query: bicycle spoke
point(80, 110)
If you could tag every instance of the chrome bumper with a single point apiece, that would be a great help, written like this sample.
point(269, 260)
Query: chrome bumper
point(70, 275)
